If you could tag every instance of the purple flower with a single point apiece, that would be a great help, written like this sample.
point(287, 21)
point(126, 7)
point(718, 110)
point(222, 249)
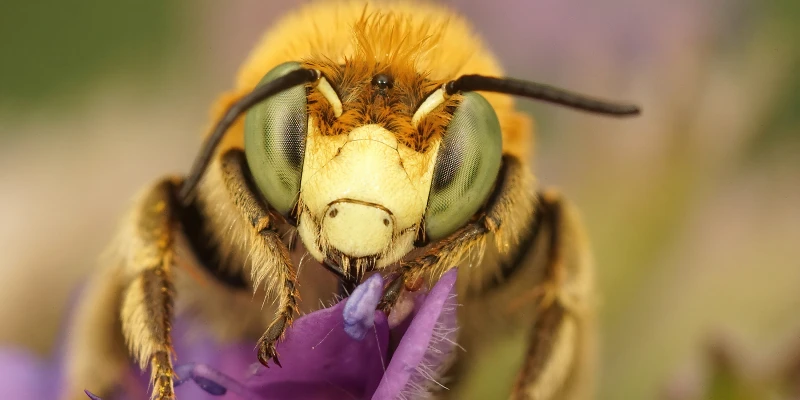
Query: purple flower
point(347, 351)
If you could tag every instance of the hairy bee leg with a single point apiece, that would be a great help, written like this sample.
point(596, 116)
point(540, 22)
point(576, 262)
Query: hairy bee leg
point(551, 214)
point(279, 274)
point(558, 357)
point(550, 330)
point(392, 292)
point(507, 215)
point(129, 302)
point(556, 363)
point(147, 302)
point(557, 272)
point(96, 354)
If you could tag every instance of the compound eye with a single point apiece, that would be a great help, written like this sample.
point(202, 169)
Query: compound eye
point(274, 141)
point(466, 167)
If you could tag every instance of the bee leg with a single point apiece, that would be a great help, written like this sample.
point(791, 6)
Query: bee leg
point(147, 301)
point(541, 296)
point(550, 212)
point(392, 292)
point(277, 271)
point(508, 213)
point(96, 356)
point(559, 355)
point(129, 302)
point(558, 358)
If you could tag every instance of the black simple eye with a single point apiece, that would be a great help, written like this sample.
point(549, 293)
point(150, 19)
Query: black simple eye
point(466, 166)
point(274, 141)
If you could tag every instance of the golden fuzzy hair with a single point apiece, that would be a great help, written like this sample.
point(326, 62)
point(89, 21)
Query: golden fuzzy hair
point(422, 44)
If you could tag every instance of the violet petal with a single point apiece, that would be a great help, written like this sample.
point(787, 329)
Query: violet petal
point(321, 361)
point(24, 376)
point(211, 380)
point(183, 373)
point(210, 386)
point(436, 315)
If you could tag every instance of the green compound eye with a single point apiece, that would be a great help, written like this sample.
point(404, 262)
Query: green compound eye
point(466, 166)
point(275, 140)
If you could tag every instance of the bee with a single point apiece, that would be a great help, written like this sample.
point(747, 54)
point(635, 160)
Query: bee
point(367, 136)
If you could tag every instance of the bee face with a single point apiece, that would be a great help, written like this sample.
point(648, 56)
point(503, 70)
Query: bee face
point(369, 159)
point(363, 194)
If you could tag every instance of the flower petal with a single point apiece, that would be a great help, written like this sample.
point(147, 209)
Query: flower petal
point(23, 376)
point(327, 354)
point(212, 381)
point(322, 361)
point(425, 345)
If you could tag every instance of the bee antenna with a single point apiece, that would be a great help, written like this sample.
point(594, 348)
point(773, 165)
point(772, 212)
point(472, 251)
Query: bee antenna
point(291, 79)
point(539, 91)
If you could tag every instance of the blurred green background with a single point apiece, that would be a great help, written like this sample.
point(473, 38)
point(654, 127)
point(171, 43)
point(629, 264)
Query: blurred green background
point(693, 209)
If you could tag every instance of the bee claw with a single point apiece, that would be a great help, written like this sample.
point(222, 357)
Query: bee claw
point(268, 352)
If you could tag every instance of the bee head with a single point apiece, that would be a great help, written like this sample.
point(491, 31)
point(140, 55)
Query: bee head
point(366, 165)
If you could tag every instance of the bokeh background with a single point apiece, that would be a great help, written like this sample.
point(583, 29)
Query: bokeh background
point(693, 209)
